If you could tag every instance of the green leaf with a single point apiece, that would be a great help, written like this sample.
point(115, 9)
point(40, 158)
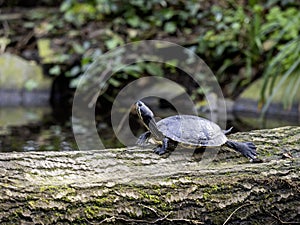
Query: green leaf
point(172, 62)
point(74, 82)
point(134, 21)
point(74, 71)
point(30, 85)
point(282, 80)
point(4, 42)
point(114, 82)
point(134, 70)
point(66, 5)
point(113, 42)
point(79, 49)
point(170, 27)
point(45, 51)
point(167, 13)
point(55, 70)
point(291, 89)
point(134, 67)
point(154, 69)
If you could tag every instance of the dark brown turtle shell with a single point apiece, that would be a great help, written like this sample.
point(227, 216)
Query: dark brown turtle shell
point(192, 131)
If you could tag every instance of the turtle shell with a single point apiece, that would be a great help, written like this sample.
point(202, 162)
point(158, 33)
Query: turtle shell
point(192, 131)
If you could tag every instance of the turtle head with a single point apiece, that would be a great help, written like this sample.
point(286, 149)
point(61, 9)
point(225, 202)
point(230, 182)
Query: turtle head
point(145, 114)
point(147, 117)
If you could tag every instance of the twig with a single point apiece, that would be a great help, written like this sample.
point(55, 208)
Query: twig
point(235, 212)
point(165, 217)
point(5, 41)
point(150, 208)
point(282, 222)
point(24, 41)
point(110, 219)
point(11, 16)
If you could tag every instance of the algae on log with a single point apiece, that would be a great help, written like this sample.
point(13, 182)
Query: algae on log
point(135, 186)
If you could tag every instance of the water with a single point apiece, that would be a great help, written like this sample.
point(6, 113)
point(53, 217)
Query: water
point(42, 129)
point(33, 129)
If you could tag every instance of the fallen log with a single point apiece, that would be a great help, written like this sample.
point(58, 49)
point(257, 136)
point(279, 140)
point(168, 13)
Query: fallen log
point(135, 186)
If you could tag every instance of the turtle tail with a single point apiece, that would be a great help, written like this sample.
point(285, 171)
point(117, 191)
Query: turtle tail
point(227, 131)
point(247, 149)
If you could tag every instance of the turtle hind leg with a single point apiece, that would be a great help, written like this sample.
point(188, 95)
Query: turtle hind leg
point(198, 153)
point(247, 149)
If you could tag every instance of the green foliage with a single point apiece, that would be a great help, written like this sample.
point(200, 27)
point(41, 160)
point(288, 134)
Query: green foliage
point(282, 24)
point(113, 41)
point(78, 12)
point(234, 32)
point(137, 14)
point(137, 70)
point(226, 28)
point(257, 37)
point(240, 41)
point(283, 32)
point(128, 21)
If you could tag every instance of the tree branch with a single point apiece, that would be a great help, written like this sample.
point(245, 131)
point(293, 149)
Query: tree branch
point(136, 186)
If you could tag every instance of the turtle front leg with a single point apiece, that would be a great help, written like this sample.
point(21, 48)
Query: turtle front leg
point(143, 138)
point(162, 149)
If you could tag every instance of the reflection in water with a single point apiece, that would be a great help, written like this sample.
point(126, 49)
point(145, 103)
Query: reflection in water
point(41, 129)
point(16, 116)
point(33, 129)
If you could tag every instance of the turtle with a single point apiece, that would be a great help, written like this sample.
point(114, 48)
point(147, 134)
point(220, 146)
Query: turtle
point(187, 131)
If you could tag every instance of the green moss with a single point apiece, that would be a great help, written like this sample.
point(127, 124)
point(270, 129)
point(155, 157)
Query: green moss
point(206, 196)
point(48, 188)
point(198, 202)
point(18, 213)
point(59, 188)
point(66, 199)
point(215, 187)
point(165, 206)
point(209, 206)
point(103, 201)
point(29, 197)
point(152, 198)
point(92, 211)
point(157, 189)
point(168, 195)
point(58, 214)
point(173, 186)
point(32, 204)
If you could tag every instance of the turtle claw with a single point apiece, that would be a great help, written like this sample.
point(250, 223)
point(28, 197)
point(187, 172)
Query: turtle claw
point(162, 149)
point(141, 142)
point(248, 149)
point(159, 150)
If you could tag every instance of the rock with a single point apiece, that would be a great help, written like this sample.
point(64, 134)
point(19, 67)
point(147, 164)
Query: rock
point(251, 97)
point(22, 82)
point(247, 108)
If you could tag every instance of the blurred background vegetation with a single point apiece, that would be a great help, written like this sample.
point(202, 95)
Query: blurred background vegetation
point(241, 41)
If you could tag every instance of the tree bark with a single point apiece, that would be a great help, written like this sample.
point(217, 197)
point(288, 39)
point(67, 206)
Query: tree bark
point(136, 186)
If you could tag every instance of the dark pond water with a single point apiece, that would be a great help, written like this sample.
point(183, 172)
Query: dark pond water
point(41, 129)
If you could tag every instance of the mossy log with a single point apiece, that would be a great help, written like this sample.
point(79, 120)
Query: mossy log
point(135, 186)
